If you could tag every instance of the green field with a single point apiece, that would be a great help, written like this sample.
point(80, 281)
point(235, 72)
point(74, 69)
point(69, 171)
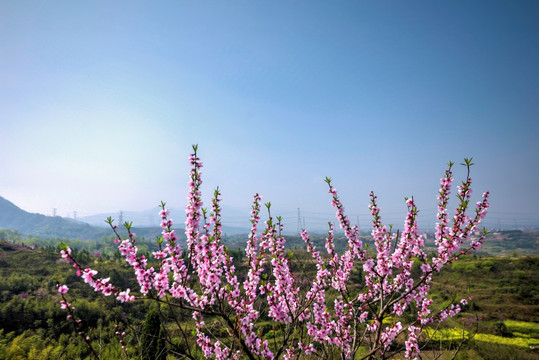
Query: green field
point(522, 335)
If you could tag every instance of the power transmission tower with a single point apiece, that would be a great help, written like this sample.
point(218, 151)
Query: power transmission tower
point(54, 212)
point(299, 221)
point(75, 215)
point(121, 218)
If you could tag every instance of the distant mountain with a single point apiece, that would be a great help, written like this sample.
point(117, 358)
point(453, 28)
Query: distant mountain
point(151, 219)
point(14, 218)
point(147, 218)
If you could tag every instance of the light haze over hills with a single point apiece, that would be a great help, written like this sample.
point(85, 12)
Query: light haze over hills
point(31, 224)
point(100, 104)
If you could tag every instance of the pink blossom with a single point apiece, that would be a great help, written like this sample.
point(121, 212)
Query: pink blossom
point(125, 297)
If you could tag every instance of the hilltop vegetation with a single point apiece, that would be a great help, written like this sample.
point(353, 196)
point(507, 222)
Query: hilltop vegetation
point(503, 242)
point(32, 323)
point(509, 242)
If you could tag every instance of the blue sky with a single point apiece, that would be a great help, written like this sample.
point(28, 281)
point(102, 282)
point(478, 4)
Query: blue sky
point(100, 103)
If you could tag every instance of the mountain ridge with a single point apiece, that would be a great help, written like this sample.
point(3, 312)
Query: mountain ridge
point(14, 218)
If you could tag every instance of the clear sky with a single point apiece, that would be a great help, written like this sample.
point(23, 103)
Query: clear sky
point(100, 102)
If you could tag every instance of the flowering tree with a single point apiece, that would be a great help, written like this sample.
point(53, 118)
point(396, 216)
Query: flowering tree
point(332, 316)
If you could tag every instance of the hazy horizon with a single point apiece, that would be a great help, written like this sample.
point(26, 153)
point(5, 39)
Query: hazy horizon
point(100, 104)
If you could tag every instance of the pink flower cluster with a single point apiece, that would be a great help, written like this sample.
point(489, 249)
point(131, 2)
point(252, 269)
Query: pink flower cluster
point(334, 313)
point(89, 276)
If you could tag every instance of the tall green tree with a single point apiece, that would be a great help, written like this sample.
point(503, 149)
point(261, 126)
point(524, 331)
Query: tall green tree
point(153, 342)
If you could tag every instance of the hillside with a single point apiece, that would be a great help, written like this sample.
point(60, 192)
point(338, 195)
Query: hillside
point(14, 218)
